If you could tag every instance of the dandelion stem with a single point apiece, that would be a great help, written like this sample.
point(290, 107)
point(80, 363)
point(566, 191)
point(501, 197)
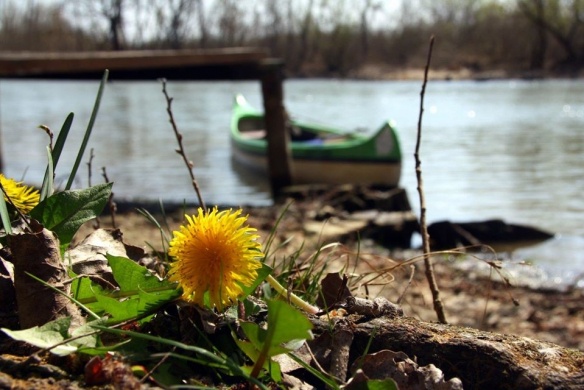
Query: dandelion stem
point(295, 299)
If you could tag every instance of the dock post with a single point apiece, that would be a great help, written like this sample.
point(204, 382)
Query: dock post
point(279, 161)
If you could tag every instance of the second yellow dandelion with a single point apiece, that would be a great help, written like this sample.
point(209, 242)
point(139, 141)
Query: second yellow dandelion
point(24, 198)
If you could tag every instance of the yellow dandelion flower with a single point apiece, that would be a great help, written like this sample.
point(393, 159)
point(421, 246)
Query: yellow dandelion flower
point(23, 197)
point(216, 253)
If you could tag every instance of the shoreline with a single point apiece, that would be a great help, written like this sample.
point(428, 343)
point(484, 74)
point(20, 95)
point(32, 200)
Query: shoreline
point(385, 73)
point(471, 297)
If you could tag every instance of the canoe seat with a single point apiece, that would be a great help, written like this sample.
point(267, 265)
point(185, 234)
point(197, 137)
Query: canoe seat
point(337, 139)
point(255, 134)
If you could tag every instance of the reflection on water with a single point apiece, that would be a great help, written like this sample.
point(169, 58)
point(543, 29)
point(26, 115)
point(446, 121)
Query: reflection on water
point(249, 178)
point(511, 150)
point(548, 264)
point(567, 267)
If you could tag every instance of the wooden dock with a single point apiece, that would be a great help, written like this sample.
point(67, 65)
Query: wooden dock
point(216, 64)
point(228, 64)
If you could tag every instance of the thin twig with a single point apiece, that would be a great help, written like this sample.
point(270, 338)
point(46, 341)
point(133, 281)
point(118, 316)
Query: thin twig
point(112, 205)
point(165, 357)
point(91, 155)
point(438, 308)
point(412, 273)
point(97, 222)
point(181, 149)
point(47, 130)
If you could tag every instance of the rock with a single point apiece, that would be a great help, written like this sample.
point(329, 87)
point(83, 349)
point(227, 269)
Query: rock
point(391, 229)
point(406, 373)
point(349, 213)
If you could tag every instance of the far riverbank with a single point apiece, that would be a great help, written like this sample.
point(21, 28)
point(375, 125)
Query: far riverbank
point(381, 72)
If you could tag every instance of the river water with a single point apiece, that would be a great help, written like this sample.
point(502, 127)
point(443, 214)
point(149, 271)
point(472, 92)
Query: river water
point(498, 149)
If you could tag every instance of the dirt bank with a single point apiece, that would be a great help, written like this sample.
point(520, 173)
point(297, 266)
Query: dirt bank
point(470, 298)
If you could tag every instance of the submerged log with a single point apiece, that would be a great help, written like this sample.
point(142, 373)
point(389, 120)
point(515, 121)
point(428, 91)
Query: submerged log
point(495, 233)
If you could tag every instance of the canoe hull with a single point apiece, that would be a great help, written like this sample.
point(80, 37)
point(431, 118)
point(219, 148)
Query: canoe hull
point(325, 172)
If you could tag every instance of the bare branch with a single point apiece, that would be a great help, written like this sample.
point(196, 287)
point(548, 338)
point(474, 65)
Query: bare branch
point(438, 308)
point(181, 149)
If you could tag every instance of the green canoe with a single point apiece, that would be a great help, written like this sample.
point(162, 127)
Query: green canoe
point(320, 154)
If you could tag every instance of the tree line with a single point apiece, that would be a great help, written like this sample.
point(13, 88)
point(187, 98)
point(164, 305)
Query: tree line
point(316, 37)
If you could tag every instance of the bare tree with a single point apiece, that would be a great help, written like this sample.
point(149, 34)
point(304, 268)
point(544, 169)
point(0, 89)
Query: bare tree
point(112, 10)
point(306, 29)
point(288, 30)
point(143, 23)
point(173, 18)
point(540, 44)
point(275, 28)
point(40, 27)
point(108, 11)
point(368, 9)
point(339, 38)
point(324, 36)
point(202, 21)
point(231, 22)
point(563, 20)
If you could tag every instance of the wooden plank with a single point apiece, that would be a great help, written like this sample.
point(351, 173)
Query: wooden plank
point(34, 64)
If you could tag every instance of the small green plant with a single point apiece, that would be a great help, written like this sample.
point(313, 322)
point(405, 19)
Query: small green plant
point(287, 329)
point(138, 296)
